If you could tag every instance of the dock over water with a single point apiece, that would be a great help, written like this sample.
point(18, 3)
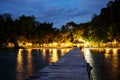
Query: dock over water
point(72, 66)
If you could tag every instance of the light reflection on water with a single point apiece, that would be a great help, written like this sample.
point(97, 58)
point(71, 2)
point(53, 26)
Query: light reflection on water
point(25, 59)
point(19, 66)
point(105, 63)
point(24, 67)
point(88, 55)
point(53, 56)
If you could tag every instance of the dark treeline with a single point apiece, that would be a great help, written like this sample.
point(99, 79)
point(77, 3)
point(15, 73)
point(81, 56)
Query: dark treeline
point(24, 29)
point(104, 28)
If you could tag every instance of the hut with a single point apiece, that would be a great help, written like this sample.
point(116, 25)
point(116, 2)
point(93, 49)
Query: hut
point(78, 43)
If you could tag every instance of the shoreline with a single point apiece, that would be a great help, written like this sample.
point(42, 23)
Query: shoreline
point(39, 48)
point(117, 47)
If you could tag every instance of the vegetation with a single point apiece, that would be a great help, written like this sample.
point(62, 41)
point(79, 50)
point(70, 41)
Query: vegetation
point(103, 28)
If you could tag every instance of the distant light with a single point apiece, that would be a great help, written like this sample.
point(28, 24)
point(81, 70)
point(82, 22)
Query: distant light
point(54, 44)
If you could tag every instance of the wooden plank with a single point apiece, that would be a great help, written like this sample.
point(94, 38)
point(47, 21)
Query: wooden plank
point(72, 66)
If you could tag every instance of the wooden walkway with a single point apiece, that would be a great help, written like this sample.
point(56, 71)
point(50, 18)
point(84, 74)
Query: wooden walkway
point(72, 66)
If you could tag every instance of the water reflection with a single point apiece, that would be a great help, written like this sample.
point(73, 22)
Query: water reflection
point(107, 52)
point(115, 52)
point(112, 63)
point(43, 53)
point(19, 61)
point(29, 66)
point(19, 66)
point(111, 53)
point(27, 59)
point(105, 63)
point(88, 55)
point(24, 64)
point(52, 55)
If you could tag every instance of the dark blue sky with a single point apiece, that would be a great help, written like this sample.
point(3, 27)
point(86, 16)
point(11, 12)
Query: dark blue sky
point(57, 11)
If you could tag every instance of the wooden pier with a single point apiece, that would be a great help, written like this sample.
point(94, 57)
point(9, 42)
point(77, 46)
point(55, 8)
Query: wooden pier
point(72, 66)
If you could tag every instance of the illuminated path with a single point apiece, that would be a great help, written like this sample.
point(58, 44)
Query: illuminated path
point(72, 66)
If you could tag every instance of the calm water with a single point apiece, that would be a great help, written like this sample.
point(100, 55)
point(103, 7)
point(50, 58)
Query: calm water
point(105, 63)
point(19, 64)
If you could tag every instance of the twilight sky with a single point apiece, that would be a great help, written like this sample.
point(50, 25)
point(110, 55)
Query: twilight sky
point(57, 11)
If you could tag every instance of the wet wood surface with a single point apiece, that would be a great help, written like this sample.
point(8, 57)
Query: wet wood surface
point(72, 66)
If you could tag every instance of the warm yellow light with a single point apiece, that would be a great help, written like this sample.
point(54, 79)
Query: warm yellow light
point(10, 45)
point(43, 53)
point(88, 56)
point(19, 66)
point(78, 45)
point(50, 44)
point(29, 50)
point(62, 44)
point(114, 42)
point(86, 44)
point(29, 61)
point(50, 50)
point(67, 50)
point(54, 44)
point(115, 62)
point(63, 51)
point(67, 44)
point(19, 57)
point(29, 44)
point(54, 56)
point(115, 52)
point(80, 39)
point(54, 51)
point(107, 50)
point(44, 44)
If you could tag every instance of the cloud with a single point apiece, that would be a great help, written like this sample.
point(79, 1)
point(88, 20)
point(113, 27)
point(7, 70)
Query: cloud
point(57, 11)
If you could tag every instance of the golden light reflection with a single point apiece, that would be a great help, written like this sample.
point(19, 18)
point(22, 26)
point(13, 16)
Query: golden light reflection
point(88, 56)
point(86, 44)
point(62, 52)
point(19, 61)
point(50, 50)
point(29, 62)
point(22, 67)
point(115, 52)
point(87, 51)
point(37, 49)
point(54, 56)
point(67, 50)
point(115, 61)
point(43, 53)
point(107, 52)
point(19, 66)
point(101, 50)
point(112, 61)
